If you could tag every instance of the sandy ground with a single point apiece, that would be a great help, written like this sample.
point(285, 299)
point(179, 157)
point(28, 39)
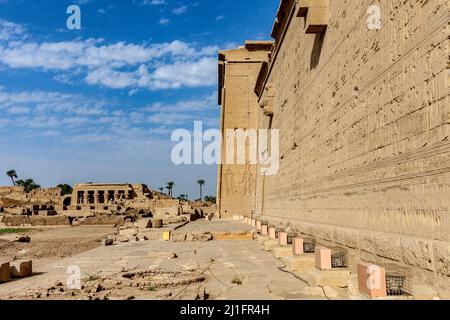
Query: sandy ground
point(49, 244)
point(222, 269)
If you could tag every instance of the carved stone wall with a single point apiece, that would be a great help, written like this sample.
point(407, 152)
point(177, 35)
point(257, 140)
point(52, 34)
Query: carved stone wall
point(240, 111)
point(364, 120)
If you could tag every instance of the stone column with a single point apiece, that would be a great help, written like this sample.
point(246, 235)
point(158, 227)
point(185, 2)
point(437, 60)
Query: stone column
point(116, 195)
point(96, 197)
point(86, 197)
point(105, 197)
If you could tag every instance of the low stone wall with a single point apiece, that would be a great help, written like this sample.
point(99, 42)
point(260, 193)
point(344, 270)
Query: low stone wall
point(15, 221)
point(428, 260)
point(105, 220)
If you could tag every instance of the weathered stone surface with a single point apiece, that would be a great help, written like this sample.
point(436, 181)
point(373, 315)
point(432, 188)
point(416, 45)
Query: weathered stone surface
point(364, 123)
point(105, 220)
point(144, 224)
point(5, 270)
point(442, 258)
point(128, 232)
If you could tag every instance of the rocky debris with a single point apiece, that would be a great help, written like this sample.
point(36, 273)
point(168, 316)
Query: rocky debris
point(162, 255)
point(199, 236)
point(209, 217)
point(127, 285)
point(22, 239)
point(179, 236)
point(123, 239)
point(132, 232)
point(108, 242)
point(144, 224)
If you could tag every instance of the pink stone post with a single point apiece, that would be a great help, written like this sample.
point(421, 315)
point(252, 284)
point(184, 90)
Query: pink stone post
point(372, 280)
point(265, 230)
point(297, 246)
point(323, 258)
point(258, 225)
point(283, 238)
point(272, 233)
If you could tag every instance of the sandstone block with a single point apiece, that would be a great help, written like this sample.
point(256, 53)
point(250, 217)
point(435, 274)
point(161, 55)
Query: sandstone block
point(21, 269)
point(5, 270)
point(144, 224)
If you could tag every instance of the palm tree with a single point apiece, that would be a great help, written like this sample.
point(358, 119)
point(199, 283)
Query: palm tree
point(201, 183)
point(12, 174)
point(161, 189)
point(28, 185)
point(65, 189)
point(169, 187)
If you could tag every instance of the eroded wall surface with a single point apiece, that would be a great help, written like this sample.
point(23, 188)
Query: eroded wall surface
point(364, 121)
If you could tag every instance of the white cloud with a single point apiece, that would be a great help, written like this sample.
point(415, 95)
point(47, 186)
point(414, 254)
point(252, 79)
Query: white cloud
point(120, 65)
point(164, 21)
point(11, 31)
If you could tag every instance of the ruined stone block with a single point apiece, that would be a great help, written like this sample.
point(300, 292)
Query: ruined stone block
point(144, 223)
point(258, 225)
point(371, 280)
point(21, 269)
point(323, 258)
point(5, 270)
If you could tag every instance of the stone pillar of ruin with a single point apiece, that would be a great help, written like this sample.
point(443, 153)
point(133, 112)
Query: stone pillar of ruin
point(96, 197)
point(86, 197)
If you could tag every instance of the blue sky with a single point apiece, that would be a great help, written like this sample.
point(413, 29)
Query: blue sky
point(99, 104)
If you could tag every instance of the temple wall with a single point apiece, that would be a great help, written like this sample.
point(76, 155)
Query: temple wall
point(364, 120)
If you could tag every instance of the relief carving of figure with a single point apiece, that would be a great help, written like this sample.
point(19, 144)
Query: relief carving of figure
point(247, 180)
point(229, 182)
